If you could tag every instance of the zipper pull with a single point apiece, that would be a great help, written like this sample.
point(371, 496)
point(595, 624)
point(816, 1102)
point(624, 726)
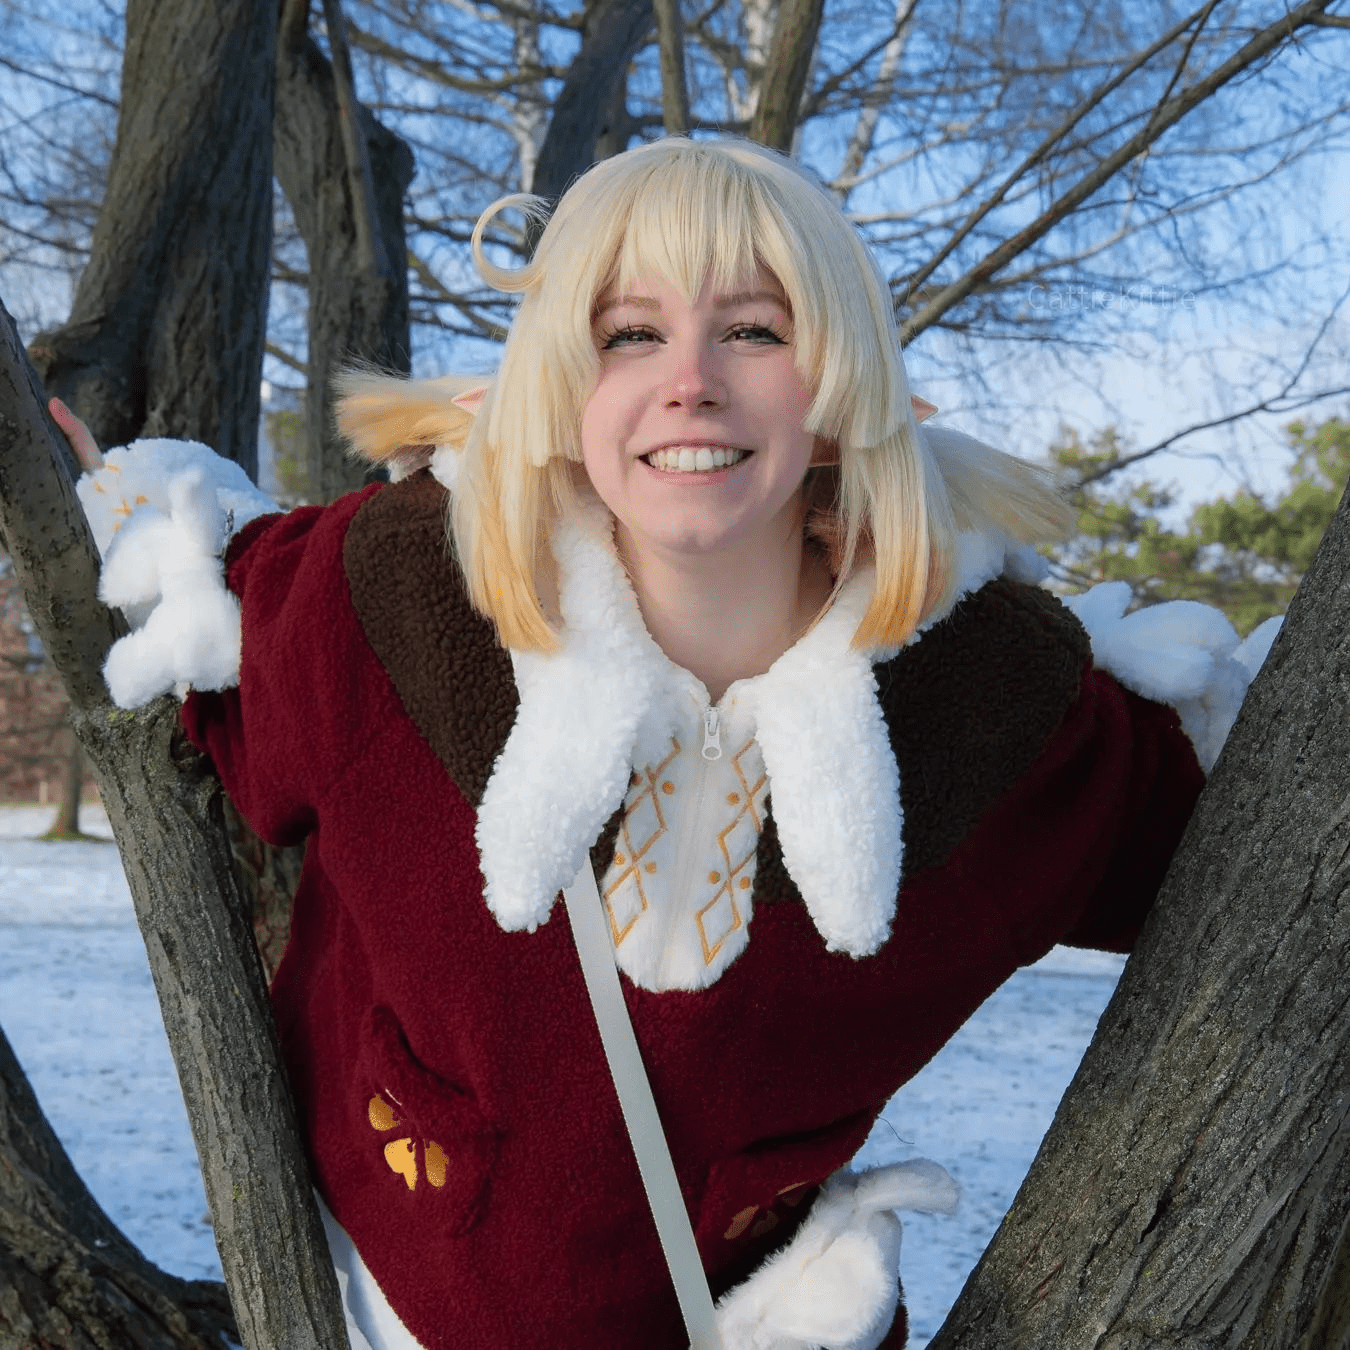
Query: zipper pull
point(712, 743)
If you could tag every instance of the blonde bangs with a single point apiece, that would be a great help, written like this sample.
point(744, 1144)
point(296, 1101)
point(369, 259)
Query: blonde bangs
point(696, 224)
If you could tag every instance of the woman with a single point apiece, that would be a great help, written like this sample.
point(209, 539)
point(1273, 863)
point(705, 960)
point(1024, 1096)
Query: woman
point(720, 617)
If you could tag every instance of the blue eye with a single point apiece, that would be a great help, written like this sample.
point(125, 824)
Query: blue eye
point(627, 336)
point(758, 333)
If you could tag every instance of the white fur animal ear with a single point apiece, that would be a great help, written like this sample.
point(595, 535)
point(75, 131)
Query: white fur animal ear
point(835, 1286)
point(162, 513)
point(1181, 653)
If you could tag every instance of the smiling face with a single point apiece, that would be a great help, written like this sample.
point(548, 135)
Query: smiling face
point(693, 433)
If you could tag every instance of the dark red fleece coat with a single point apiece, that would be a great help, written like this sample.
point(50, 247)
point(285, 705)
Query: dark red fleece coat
point(1041, 801)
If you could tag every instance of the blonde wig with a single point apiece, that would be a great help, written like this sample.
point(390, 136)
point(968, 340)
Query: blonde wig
point(685, 213)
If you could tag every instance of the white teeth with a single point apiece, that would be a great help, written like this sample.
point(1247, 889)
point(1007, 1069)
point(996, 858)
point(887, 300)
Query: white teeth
point(694, 459)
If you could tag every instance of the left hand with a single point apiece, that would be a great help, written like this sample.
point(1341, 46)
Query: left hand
point(81, 439)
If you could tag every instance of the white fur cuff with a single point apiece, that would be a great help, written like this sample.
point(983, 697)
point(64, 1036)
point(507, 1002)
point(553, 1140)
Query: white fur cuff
point(1181, 653)
point(835, 1286)
point(162, 513)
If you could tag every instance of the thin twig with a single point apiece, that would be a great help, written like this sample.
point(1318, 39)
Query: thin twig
point(1167, 115)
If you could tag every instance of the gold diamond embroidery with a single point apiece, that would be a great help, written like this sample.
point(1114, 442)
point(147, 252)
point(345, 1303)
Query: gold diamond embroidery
point(717, 921)
point(721, 917)
point(643, 824)
point(752, 790)
point(626, 904)
point(739, 841)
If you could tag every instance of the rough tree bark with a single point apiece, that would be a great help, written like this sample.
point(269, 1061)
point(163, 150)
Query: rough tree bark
point(165, 809)
point(789, 63)
point(344, 175)
point(165, 334)
point(1194, 1190)
point(674, 85)
point(69, 1280)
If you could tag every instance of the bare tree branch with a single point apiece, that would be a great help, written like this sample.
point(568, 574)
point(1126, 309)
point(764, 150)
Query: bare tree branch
point(279, 353)
point(864, 130)
point(1166, 115)
point(614, 30)
point(674, 86)
point(1041, 151)
point(52, 82)
point(1282, 401)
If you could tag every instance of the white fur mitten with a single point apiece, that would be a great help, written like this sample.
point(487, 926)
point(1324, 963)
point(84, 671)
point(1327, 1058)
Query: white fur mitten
point(162, 513)
point(1181, 652)
point(835, 1286)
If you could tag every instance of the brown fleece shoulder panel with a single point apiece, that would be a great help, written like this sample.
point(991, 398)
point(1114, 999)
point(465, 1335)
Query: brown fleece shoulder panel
point(443, 657)
point(972, 705)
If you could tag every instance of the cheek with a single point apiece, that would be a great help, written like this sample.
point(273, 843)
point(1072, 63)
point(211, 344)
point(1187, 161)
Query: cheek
point(799, 398)
point(784, 400)
point(593, 431)
point(602, 417)
point(601, 445)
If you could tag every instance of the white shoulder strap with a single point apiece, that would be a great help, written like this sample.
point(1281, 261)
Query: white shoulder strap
point(639, 1110)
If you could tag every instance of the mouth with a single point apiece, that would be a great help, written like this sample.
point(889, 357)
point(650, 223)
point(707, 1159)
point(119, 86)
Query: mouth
point(694, 459)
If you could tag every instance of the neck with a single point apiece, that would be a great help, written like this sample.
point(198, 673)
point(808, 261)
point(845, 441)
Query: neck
point(728, 616)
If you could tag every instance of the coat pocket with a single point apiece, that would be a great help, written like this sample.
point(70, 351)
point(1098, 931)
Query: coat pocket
point(437, 1145)
point(761, 1190)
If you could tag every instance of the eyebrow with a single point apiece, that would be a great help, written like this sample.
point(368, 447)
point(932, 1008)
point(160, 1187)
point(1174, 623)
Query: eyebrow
point(732, 301)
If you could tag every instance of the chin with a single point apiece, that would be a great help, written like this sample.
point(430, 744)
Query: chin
point(691, 538)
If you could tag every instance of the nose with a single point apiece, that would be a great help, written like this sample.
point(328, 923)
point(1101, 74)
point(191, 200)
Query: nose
point(694, 378)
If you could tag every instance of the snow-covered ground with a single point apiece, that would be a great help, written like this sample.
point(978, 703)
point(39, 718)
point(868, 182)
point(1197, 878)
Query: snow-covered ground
point(77, 1004)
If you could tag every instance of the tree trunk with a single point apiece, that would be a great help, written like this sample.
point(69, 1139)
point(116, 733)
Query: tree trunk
point(166, 333)
point(179, 270)
point(358, 275)
point(69, 1280)
point(613, 32)
point(67, 820)
point(164, 806)
point(269, 876)
point(780, 91)
point(1194, 1190)
point(674, 84)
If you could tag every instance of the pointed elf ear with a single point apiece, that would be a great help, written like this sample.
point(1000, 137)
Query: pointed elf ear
point(827, 452)
point(470, 400)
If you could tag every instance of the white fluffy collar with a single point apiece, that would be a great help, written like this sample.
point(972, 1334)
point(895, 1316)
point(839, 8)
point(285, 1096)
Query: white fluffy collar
point(607, 700)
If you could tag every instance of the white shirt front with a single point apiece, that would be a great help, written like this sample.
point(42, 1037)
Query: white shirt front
point(679, 892)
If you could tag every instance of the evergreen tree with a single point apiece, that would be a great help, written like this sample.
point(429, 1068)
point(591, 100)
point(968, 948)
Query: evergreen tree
point(1240, 553)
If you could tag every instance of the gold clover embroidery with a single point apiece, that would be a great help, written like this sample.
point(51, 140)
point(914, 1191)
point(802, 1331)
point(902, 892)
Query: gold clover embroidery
point(401, 1155)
